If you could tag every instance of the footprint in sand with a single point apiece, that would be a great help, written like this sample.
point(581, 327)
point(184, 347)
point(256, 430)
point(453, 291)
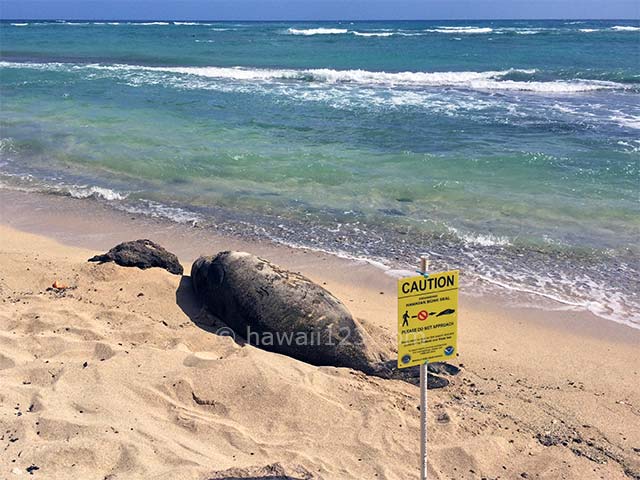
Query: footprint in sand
point(103, 352)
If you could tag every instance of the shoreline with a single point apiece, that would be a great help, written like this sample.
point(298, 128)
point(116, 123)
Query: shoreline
point(560, 404)
point(84, 224)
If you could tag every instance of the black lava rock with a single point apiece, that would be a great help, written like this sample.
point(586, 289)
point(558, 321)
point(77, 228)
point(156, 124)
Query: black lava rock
point(142, 254)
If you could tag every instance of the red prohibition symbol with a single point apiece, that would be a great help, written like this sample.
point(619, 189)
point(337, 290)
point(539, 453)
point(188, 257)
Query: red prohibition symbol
point(422, 315)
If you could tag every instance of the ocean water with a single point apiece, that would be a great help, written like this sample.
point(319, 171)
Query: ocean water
point(510, 150)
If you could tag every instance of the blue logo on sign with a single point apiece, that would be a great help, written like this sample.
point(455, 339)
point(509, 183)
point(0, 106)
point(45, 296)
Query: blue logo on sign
point(406, 359)
point(449, 350)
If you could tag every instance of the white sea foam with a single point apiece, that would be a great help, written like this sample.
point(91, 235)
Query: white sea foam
point(626, 120)
point(19, 24)
point(150, 23)
point(7, 145)
point(558, 86)
point(592, 297)
point(83, 191)
point(589, 30)
point(160, 210)
point(484, 240)
point(316, 31)
point(625, 28)
point(633, 147)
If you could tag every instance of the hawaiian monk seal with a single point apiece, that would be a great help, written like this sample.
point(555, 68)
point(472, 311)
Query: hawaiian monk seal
point(282, 311)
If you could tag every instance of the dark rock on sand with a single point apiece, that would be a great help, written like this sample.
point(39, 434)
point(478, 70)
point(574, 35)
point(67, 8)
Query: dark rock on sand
point(142, 254)
point(282, 311)
point(274, 471)
point(412, 374)
point(443, 368)
point(433, 381)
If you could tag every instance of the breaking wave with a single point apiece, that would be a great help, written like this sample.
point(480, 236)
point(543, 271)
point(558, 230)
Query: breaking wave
point(29, 183)
point(625, 28)
point(375, 34)
point(489, 80)
point(463, 30)
point(340, 31)
point(316, 31)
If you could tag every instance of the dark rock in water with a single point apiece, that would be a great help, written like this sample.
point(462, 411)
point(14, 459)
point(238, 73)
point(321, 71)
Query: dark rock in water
point(392, 211)
point(282, 311)
point(142, 254)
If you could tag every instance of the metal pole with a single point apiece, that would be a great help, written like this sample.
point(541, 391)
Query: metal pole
point(423, 401)
point(423, 421)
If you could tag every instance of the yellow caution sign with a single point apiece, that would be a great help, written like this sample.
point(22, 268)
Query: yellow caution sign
point(427, 318)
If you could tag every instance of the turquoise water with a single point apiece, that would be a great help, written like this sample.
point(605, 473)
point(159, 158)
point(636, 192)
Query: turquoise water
point(508, 149)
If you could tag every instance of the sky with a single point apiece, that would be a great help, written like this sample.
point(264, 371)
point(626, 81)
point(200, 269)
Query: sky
point(318, 9)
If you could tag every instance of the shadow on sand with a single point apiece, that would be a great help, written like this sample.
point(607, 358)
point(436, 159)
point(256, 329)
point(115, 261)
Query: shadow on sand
point(192, 307)
point(201, 317)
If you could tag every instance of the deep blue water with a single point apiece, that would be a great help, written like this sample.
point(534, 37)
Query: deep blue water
point(510, 149)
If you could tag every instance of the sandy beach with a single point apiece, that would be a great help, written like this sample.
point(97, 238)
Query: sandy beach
point(120, 376)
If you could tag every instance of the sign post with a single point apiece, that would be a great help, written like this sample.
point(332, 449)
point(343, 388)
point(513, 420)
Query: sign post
point(423, 421)
point(427, 330)
point(424, 265)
